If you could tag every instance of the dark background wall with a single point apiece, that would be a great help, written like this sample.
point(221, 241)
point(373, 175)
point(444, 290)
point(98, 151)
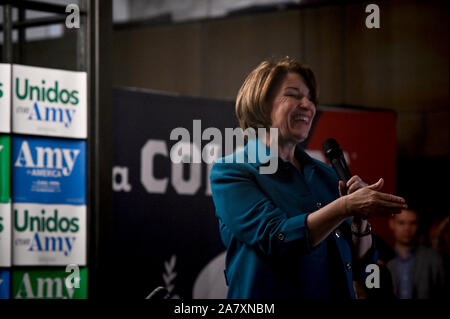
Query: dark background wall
point(402, 66)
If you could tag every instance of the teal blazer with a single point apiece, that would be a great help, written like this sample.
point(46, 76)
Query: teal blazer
point(262, 222)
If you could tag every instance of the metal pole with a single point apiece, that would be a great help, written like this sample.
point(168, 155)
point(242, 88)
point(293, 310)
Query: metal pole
point(100, 116)
point(21, 31)
point(7, 34)
point(82, 39)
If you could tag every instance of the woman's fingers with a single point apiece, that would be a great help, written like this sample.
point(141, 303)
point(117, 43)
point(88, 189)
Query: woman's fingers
point(383, 208)
point(369, 201)
point(355, 183)
point(390, 198)
point(378, 185)
point(387, 204)
point(353, 179)
point(354, 187)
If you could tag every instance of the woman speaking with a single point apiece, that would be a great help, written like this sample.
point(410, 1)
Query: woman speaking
point(299, 232)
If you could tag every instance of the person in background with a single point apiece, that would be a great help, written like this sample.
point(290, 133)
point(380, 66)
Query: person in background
point(417, 271)
point(439, 238)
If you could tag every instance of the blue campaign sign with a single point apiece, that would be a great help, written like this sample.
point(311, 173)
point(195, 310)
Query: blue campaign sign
point(4, 283)
point(48, 171)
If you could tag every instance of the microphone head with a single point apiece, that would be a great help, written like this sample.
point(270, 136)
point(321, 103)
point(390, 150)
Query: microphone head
point(331, 149)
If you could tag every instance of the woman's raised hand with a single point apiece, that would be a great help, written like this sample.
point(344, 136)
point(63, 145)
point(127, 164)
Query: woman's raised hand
point(368, 201)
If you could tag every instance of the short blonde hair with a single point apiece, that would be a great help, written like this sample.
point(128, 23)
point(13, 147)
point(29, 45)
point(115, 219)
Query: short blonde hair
point(254, 99)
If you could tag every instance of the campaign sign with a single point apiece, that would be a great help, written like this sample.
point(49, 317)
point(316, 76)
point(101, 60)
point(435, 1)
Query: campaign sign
point(5, 168)
point(48, 171)
point(5, 202)
point(5, 98)
point(5, 234)
point(48, 234)
point(59, 283)
point(4, 283)
point(49, 102)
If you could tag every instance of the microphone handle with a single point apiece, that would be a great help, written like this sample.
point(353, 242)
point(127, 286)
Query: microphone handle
point(340, 166)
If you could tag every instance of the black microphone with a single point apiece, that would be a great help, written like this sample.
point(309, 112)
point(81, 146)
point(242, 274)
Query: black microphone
point(334, 154)
point(158, 294)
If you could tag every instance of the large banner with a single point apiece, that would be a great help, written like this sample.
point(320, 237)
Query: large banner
point(165, 231)
point(165, 228)
point(49, 102)
point(5, 98)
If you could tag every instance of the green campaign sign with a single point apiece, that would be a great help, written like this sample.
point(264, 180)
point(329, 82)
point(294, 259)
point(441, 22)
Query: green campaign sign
point(5, 202)
point(5, 168)
point(5, 98)
point(56, 283)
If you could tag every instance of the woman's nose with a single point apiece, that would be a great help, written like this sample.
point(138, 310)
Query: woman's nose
point(305, 103)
